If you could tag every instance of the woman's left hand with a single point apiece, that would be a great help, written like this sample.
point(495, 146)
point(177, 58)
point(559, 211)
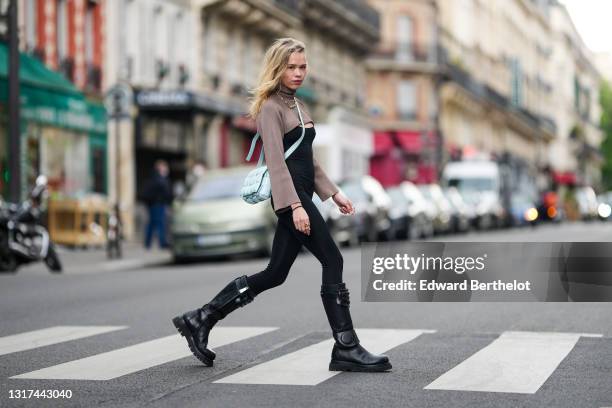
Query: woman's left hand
point(344, 204)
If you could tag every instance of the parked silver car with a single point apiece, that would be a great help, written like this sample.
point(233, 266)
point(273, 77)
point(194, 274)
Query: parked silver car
point(587, 203)
point(461, 213)
point(214, 220)
point(408, 213)
point(343, 228)
point(372, 205)
point(442, 208)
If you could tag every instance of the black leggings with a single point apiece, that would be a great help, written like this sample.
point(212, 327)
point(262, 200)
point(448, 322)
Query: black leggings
point(287, 244)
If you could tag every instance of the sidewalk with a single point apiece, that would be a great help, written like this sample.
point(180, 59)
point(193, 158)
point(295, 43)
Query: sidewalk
point(135, 256)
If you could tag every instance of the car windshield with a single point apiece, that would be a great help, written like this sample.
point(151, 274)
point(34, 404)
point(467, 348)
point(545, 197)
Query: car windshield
point(471, 196)
point(472, 184)
point(217, 188)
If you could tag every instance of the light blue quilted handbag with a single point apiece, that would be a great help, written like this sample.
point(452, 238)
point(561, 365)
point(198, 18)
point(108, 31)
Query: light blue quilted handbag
point(256, 186)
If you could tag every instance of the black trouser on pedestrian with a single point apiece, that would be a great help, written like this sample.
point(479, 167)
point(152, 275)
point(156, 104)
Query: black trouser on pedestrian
point(286, 246)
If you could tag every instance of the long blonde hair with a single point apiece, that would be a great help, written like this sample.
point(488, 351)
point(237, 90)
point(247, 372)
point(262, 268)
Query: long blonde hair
point(274, 64)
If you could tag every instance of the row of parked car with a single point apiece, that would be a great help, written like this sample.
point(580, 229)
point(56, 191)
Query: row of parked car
point(212, 219)
point(591, 206)
point(409, 211)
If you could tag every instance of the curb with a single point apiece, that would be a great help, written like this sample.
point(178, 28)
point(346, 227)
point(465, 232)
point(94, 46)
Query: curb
point(130, 264)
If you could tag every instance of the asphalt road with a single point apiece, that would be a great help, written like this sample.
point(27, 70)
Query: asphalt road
point(107, 337)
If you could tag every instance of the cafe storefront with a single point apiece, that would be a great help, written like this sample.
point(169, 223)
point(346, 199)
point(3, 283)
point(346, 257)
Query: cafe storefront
point(63, 135)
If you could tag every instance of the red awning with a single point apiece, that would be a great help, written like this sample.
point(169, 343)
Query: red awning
point(382, 142)
point(410, 141)
point(566, 177)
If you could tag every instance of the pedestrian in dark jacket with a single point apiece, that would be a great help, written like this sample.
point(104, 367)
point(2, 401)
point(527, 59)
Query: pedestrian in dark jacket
point(157, 195)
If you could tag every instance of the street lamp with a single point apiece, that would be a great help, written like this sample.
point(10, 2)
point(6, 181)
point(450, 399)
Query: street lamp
point(117, 102)
point(8, 15)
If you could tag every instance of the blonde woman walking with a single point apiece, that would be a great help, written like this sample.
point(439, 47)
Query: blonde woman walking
point(294, 181)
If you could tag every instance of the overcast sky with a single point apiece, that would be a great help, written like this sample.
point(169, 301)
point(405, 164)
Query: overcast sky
point(593, 19)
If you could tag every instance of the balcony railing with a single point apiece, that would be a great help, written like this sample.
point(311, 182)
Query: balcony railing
point(407, 52)
point(360, 8)
point(407, 115)
point(487, 93)
point(290, 6)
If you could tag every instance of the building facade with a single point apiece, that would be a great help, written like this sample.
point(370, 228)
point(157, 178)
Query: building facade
point(498, 88)
point(604, 64)
point(509, 78)
point(575, 153)
point(402, 93)
point(68, 36)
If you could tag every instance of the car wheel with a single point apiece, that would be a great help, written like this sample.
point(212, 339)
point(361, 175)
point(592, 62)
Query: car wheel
point(8, 263)
point(178, 259)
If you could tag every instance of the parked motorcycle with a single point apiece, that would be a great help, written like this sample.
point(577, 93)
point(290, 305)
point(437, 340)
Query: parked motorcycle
point(23, 238)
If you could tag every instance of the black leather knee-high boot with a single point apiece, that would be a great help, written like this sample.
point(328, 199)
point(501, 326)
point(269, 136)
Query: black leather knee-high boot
point(347, 354)
point(195, 325)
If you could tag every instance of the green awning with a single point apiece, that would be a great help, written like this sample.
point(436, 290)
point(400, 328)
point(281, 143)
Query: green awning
point(48, 97)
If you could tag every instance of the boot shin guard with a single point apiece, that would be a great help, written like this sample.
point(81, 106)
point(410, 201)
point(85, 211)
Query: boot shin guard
point(346, 339)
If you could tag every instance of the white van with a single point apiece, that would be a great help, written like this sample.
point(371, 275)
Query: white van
point(481, 185)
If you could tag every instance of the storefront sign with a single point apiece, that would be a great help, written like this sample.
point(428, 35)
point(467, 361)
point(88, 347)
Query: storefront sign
point(163, 98)
point(61, 110)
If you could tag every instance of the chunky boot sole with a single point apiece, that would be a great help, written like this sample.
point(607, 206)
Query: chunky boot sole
point(207, 356)
point(367, 368)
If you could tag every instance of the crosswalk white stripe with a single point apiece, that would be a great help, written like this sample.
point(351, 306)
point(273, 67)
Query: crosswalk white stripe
point(309, 365)
point(52, 335)
point(516, 362)
point(127, 360)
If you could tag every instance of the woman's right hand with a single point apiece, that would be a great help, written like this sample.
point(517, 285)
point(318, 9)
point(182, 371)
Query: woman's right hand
point(301, 220)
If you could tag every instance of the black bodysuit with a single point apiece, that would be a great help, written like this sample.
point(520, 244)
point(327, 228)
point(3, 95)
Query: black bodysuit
point(287, 239)
point(300, 162)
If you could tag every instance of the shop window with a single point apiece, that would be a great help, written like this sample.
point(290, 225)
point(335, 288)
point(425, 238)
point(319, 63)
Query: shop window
point(406, 100)
point(62, 30)
point(516, 82)
point(404, 50)
point(31, 20)
point(58, 150)
point(210, 45)
point(89, 34)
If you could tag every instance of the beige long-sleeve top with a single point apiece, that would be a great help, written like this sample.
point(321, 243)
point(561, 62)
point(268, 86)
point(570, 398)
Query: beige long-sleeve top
point(274, 120)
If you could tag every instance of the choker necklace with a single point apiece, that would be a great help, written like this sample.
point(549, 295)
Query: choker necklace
point(287, 95)
point(290, 103)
